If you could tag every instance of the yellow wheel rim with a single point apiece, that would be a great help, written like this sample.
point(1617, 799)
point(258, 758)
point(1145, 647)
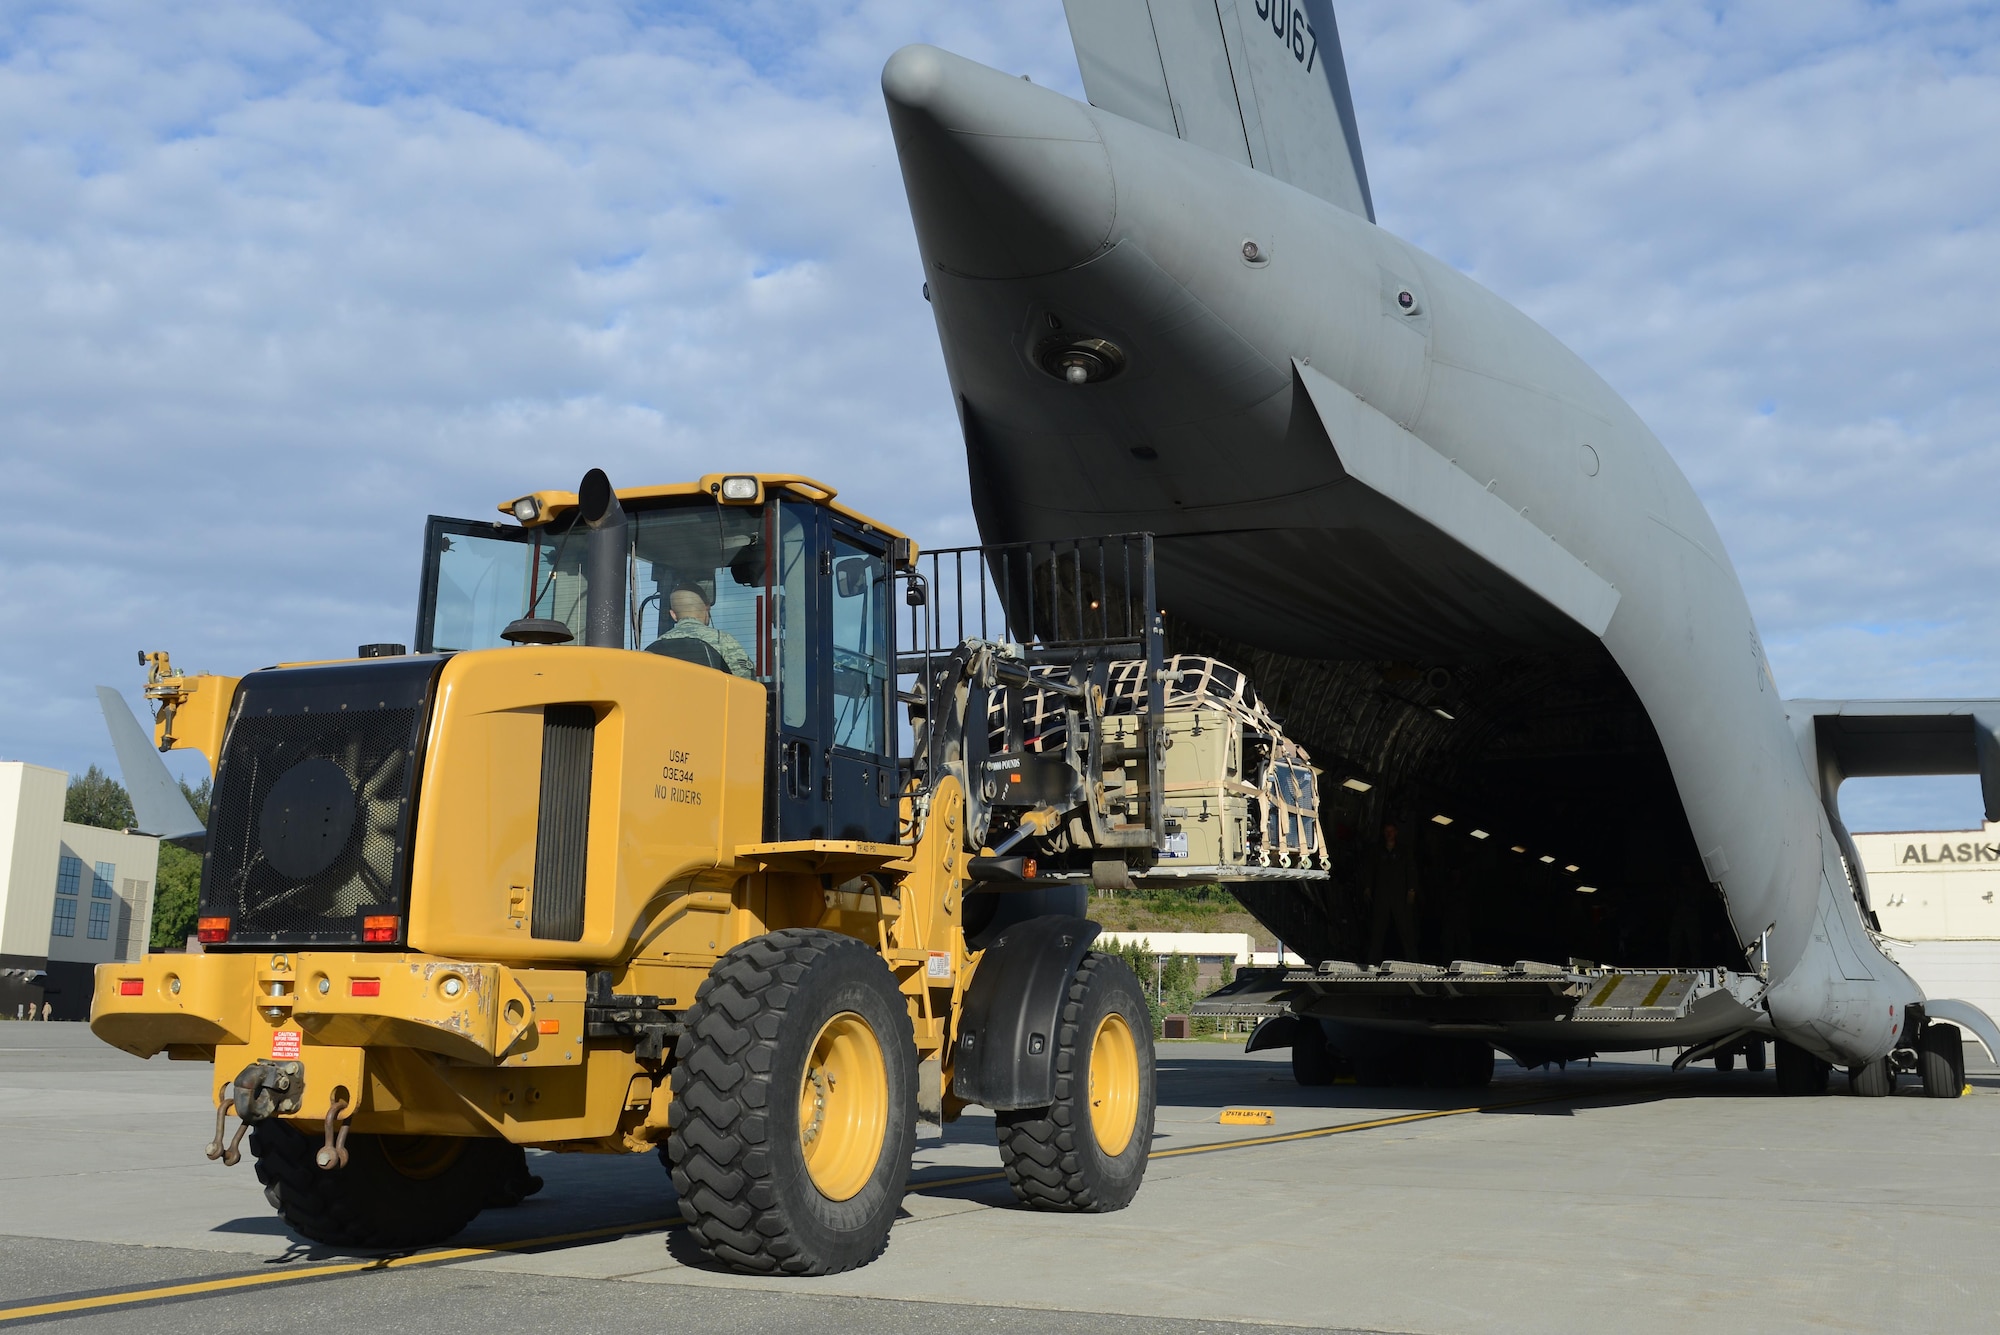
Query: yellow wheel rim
point(421, 1158)
point(843, 1107)
point(1114, 1084)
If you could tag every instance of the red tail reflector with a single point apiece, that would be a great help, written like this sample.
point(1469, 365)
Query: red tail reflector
point(131, 987)
point(383, 927)
point(212, 929)
point(364, 987)
point(1029, 869)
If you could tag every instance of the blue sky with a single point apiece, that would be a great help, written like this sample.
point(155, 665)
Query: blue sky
point(278, 281)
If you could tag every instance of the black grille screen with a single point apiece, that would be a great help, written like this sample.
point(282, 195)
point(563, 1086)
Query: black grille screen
point(314, 802)
point(562, 835)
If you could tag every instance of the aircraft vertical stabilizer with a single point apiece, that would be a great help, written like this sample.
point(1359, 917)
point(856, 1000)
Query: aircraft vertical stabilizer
point(1261, 82)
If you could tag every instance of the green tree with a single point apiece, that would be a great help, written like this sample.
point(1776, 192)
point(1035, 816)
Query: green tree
point(1139, 954)
point(95, 798)
point(178, 886)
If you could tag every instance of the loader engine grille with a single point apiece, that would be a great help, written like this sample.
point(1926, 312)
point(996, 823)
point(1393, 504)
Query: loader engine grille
point(315, 801)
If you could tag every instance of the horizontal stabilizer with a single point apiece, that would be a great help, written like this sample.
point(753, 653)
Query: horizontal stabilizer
point(1403, 470)
point(157, 801)
point(1871, 739)
point(1261, 82)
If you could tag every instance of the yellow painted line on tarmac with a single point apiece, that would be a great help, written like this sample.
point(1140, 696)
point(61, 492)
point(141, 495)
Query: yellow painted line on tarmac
point(199, 1288)
point(195, 1288)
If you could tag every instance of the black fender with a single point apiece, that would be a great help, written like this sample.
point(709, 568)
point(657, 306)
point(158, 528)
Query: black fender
point(1279, 1031)
point(1005, 1056)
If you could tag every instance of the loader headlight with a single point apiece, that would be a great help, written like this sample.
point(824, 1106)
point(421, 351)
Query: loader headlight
point(527, 509)
point(739, 489)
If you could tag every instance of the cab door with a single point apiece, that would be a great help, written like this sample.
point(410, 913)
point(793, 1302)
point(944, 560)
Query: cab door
point(860, 687)
point(833, 771)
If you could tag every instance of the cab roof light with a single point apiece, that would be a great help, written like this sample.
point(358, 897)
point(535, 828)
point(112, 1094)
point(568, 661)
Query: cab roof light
point(380, 927)
point(1586, 889)
point(1358, 785)
point(1520, 848)
point(739, 489)
point(1547, 858)
point(1481, 834)
point(1440, 819)
point(211, 931)
point(528, 509)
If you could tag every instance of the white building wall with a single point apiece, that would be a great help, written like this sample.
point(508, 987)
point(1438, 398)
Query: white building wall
point(31, 810)
point(1937, 894)
point(133, 860)
point(1232, 946)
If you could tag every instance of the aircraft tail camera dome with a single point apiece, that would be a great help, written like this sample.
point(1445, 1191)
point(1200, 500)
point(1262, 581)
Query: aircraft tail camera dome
point(1084, 361)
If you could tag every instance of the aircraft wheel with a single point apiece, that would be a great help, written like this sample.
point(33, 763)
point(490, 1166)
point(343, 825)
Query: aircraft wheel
point(396, 1191)
point(1874, 1080)
point(1799, 1072)
point(1753, 1055)
point(1086, 1152)
point(1941, 1061)
point(1313, 1063)
point(1453, 1063)
point(795, 1105)
point(1725, 1061)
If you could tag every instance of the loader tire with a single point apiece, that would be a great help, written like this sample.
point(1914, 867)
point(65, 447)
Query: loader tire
point(395, 1192)
point(1086, 1152)
point(795, 1101)
point(1941, 1061)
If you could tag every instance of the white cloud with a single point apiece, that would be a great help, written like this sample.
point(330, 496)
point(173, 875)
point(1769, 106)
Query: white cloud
point(277, 281)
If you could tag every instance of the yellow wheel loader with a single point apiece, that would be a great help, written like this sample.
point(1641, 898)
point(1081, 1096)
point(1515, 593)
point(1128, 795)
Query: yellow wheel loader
point(667, 836)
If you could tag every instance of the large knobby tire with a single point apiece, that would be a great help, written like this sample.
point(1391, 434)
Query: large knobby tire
point(1799, 1072)
point(395, 1192)
point(1087, 1150)
point(1313, 1062)
point(1941, 1061)
point(795, 1103)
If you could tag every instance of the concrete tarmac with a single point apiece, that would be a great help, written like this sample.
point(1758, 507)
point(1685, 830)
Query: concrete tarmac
point(1612, 1196)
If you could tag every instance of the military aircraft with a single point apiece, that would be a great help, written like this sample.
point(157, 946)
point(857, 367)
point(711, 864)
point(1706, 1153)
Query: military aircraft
point(1456, 563)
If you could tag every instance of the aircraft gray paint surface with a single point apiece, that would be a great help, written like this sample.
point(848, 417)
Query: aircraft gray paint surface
point(1454, 559)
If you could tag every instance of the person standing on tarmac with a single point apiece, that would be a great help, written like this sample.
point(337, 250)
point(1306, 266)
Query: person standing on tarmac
point(690, 613)
point(1394, 885)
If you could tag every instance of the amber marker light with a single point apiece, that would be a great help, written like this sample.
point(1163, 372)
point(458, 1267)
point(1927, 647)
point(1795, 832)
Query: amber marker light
point(211, 931)
point(380, 927)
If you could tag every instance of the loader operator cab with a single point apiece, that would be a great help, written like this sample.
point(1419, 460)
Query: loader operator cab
point(759, 575)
